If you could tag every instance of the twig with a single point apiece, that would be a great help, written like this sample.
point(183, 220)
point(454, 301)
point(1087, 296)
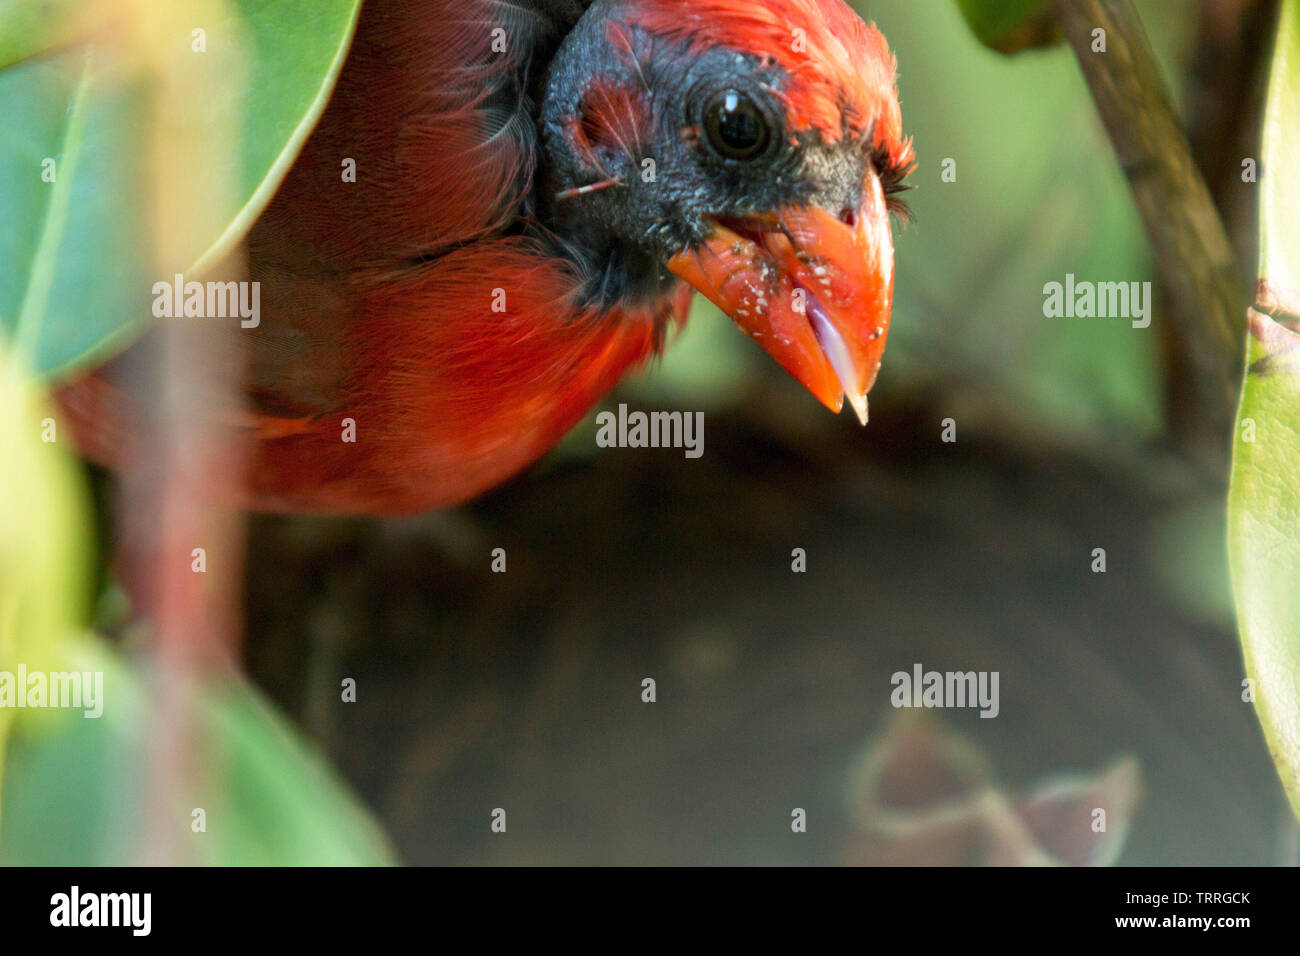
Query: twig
point(168, 508)
point(1207, 294)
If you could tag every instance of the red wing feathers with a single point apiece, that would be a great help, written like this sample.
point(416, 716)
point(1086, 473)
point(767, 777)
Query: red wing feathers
point(485, 377)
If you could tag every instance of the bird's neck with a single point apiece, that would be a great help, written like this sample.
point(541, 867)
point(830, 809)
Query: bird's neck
point(586, 170)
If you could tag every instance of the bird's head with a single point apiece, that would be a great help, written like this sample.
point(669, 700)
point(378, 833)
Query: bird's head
point(748, 147)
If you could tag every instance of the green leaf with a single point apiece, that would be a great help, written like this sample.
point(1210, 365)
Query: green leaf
point(30, 27)
point(1010, 26)
point(101, 142)
point(45, 553)
point(1264, 497)
point(1280, 204)
point(78, 787)
point(74, 265)
point(1264, 539)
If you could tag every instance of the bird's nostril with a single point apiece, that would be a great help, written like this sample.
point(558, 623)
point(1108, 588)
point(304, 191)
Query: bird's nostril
point(849, 216)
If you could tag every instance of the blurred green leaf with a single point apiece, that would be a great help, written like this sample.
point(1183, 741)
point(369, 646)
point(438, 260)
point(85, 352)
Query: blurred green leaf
point(44, 552)
point(31, 27)
point(78, 786)
point(1010, 26)
point(79, 252)
point(1280, 203)
point(74, 262)
point(1264, 497)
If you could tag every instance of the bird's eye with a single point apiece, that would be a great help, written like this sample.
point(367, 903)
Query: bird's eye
point(736, 127)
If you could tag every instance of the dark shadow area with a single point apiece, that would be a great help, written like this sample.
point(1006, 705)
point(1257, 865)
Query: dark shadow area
point(523, 690)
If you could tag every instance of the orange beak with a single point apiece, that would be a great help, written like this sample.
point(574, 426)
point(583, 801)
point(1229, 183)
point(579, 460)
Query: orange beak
point(813, 289)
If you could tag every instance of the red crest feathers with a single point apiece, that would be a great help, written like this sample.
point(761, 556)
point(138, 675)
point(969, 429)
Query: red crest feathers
point(841, 70)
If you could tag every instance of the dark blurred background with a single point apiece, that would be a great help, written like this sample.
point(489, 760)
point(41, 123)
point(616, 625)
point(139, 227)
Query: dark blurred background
point(523, 690)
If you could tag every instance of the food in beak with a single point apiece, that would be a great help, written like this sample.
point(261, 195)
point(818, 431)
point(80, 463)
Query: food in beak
point(814, 289)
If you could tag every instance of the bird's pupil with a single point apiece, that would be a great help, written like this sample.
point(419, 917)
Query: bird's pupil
point(736, 127)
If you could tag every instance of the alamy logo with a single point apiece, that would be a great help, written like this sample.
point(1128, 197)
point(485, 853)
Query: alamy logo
point(75, 908)
point(1099, 300)
point(64, 689)
point(652, 430)
point(179, 299)
point(946, 689)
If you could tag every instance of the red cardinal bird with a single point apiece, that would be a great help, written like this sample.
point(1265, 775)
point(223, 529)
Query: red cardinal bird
point(540, 184)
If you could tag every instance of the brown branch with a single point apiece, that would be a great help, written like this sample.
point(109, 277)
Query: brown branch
point(1207, 294)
